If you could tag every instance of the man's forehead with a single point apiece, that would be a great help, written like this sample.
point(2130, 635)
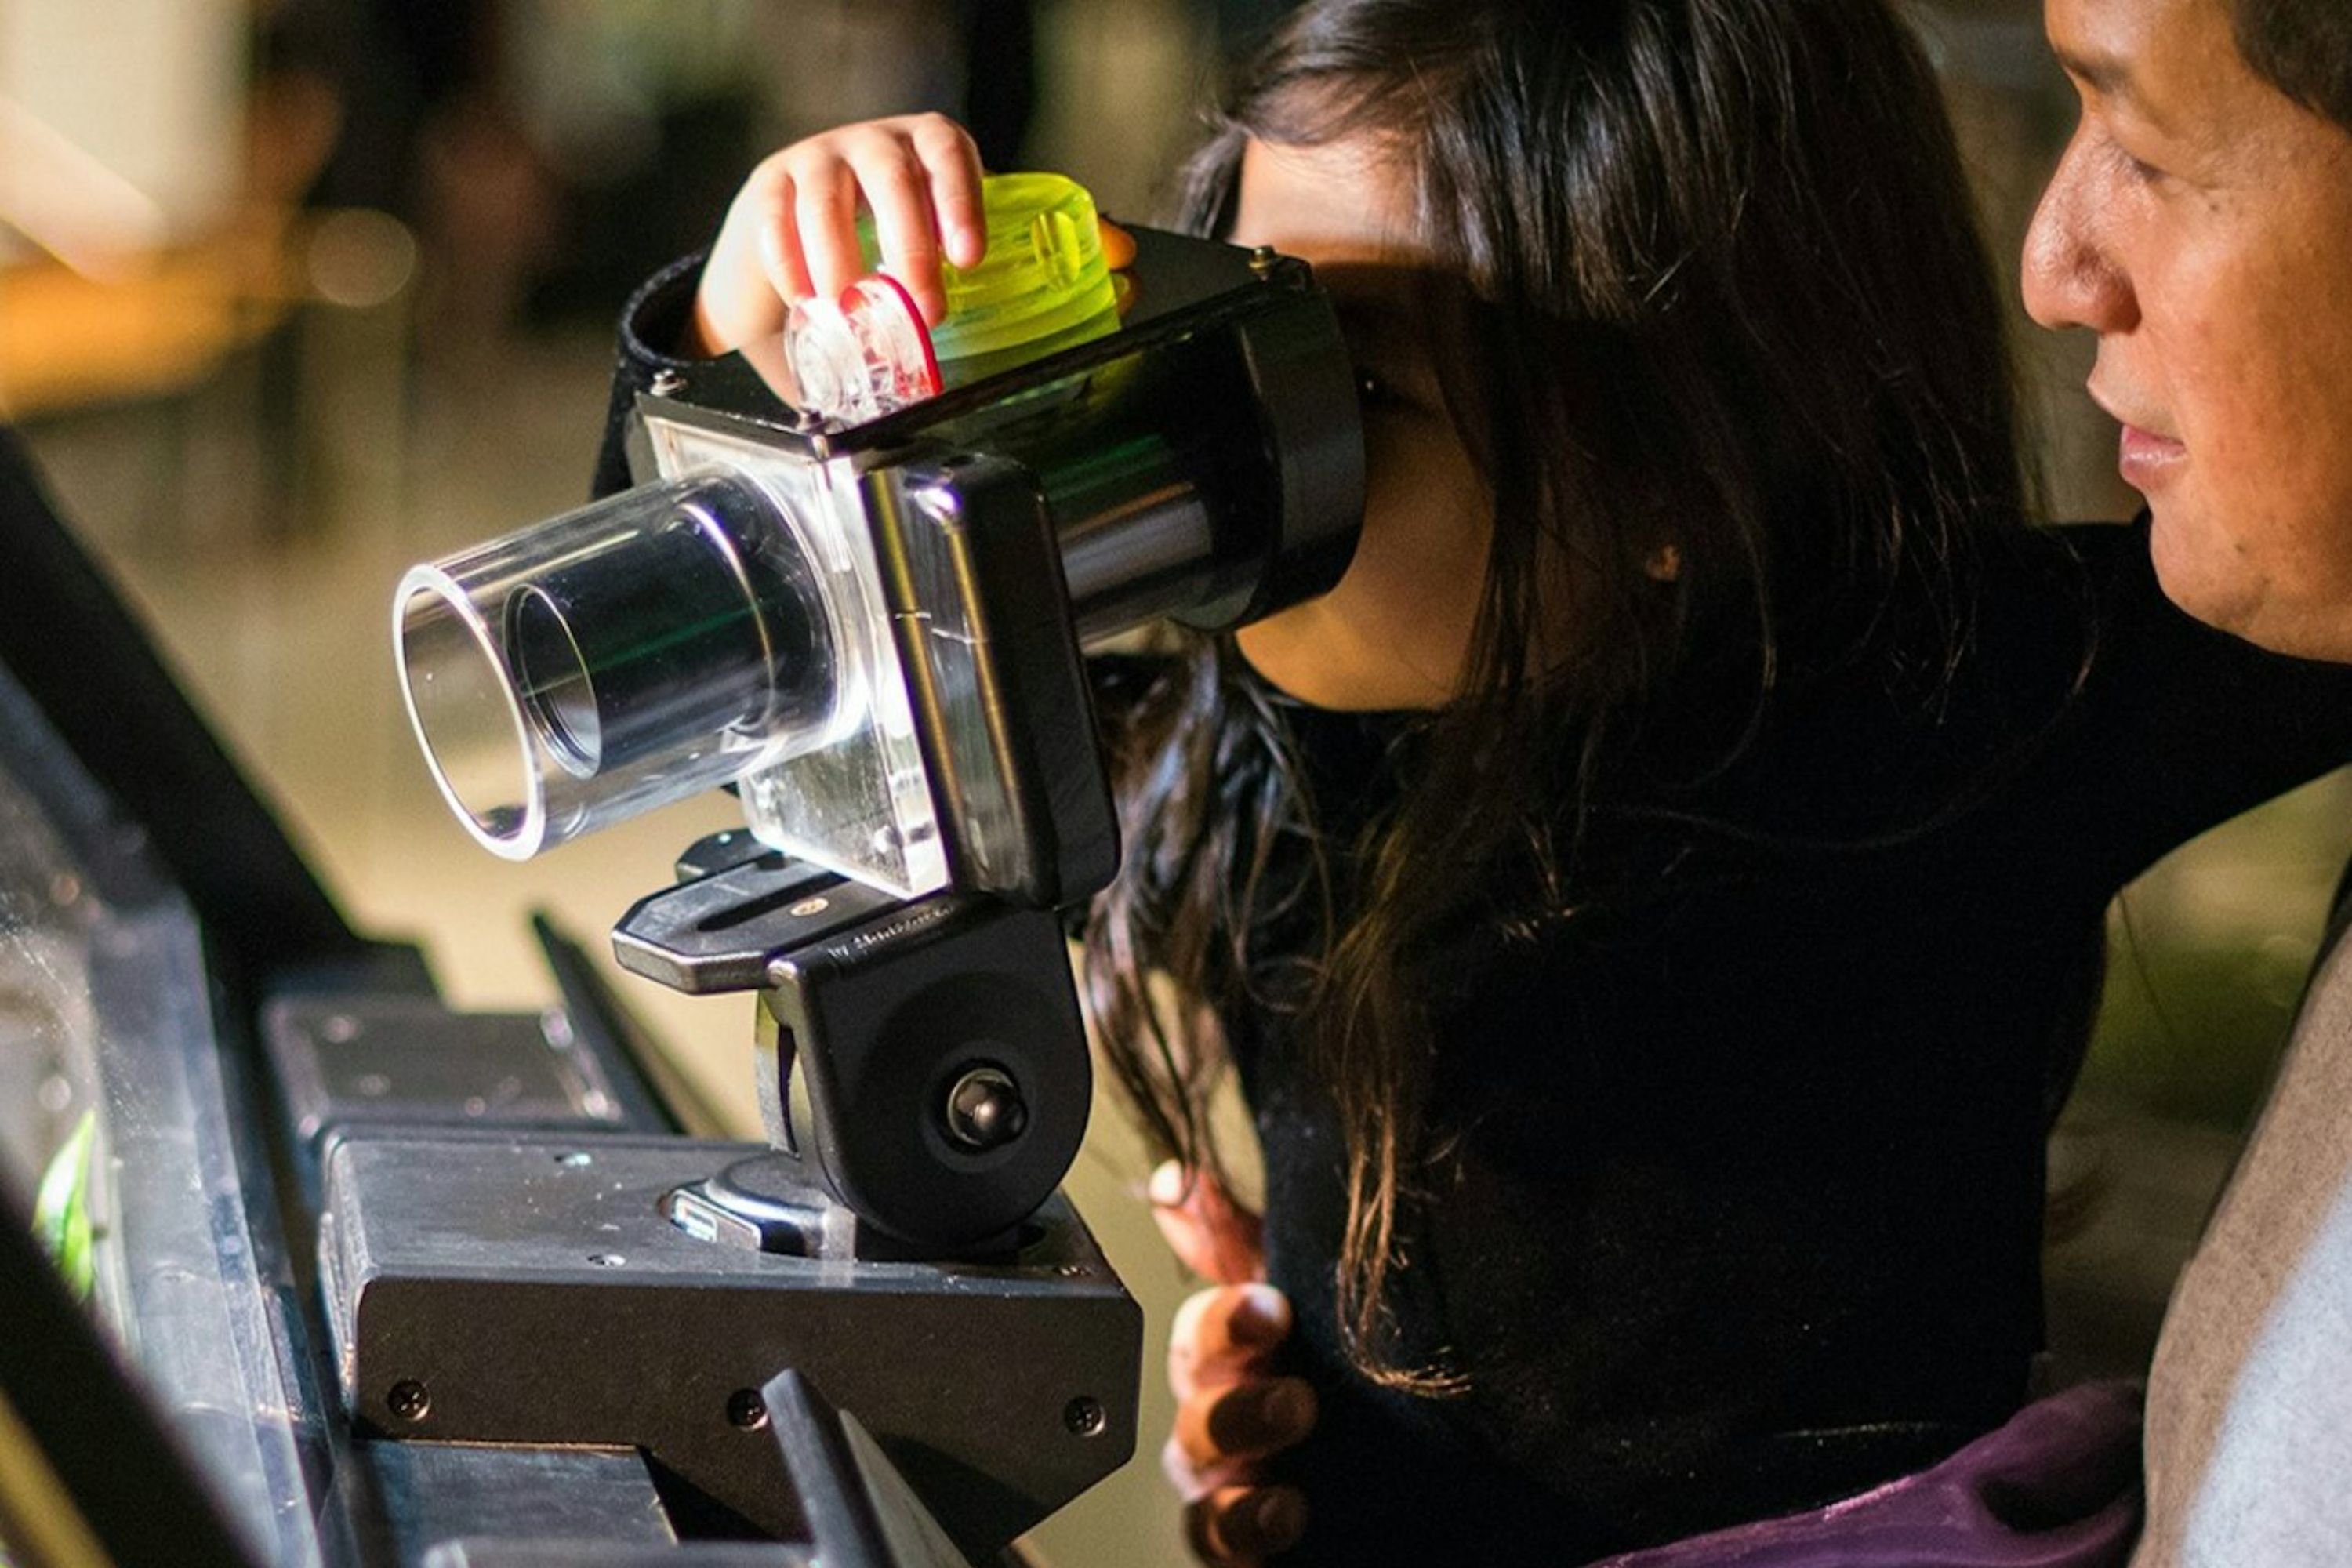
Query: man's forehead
point(2157, 56)
point(2098, 41)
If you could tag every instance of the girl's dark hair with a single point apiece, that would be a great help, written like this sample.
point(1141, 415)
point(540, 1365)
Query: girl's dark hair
point(1704, 279)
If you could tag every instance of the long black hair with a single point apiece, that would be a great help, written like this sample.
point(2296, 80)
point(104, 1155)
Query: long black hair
point(1707, 294)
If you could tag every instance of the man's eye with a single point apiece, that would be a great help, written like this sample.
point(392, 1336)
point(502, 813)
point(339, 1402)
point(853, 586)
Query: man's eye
point(2140, 169)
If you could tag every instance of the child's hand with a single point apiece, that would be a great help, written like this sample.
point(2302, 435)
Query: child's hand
point(792, 232)
point(1233, 1412)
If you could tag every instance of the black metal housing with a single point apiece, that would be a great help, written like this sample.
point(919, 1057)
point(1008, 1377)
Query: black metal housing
point(1204, 462)
point(524, 1287)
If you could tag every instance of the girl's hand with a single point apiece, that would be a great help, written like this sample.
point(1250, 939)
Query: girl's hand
point(792, 231)
point(1232, 1413)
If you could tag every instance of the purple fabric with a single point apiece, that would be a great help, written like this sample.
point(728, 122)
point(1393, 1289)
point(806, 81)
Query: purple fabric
point(2058, 1487)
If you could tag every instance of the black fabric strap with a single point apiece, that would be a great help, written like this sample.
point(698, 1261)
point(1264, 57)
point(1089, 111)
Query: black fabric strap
point(653, 325)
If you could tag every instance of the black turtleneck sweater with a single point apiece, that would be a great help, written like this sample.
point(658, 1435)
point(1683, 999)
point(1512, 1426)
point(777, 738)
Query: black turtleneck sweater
point(1740, 1207)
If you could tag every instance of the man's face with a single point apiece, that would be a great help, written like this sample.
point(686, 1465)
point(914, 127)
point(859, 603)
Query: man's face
point(2200, 223)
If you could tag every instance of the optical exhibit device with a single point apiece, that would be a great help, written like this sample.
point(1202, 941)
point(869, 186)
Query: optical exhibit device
point(873, 628)
point(385, 1283)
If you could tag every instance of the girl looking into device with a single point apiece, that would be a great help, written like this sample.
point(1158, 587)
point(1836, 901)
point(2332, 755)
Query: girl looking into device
point(1654, 902)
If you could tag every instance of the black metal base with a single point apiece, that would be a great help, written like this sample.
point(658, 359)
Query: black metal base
point(526, 1287)
point(859, 1512)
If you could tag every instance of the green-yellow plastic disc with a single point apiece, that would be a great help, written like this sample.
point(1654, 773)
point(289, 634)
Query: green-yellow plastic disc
point(1042, 282)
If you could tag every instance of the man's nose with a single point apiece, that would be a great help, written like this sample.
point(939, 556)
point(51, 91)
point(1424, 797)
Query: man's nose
point(2072, 276)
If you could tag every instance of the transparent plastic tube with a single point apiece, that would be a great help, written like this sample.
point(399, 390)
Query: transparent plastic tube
point(619, 657)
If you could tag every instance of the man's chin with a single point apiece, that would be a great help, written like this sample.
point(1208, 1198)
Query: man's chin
point(2201, 569)
point(2324, 633)
point(2210, 577)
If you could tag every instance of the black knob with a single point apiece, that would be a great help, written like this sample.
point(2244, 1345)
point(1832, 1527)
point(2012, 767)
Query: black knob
point(985, 1111)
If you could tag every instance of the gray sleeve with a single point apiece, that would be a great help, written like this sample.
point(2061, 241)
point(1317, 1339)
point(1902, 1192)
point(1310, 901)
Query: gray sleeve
point(2249, 1438)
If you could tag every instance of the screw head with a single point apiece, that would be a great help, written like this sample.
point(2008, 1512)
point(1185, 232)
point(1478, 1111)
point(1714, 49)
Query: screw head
point(1085, 1417)
point(575, 1158)
point(409, 1400)
point(985, 1111)
point(606, 1260)
point(668, 383)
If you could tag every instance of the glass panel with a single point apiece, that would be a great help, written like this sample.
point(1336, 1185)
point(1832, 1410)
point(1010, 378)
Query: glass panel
point(105, 1010)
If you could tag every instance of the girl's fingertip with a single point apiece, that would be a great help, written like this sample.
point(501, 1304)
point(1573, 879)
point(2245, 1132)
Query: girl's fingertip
point(1118, 245)
point(1166, 1187)
point(1264, 1311)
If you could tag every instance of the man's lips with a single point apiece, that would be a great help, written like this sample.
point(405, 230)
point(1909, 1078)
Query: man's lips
point(2147, 458)
point(2148, 461)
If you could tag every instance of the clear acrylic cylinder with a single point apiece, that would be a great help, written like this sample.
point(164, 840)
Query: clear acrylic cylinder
point(619, 657)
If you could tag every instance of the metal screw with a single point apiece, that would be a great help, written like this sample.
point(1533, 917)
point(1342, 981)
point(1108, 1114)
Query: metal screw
point(808, 907)
point(1262, 260)
point(985, 1109)
point(1084, 1416)
point(340, 1030)
point(575, 1158)
point(374, 1085)
point(668, 383)
point(409, 1400)
point(1071, 1270)
point(606, 1260)
point(747, 1410)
